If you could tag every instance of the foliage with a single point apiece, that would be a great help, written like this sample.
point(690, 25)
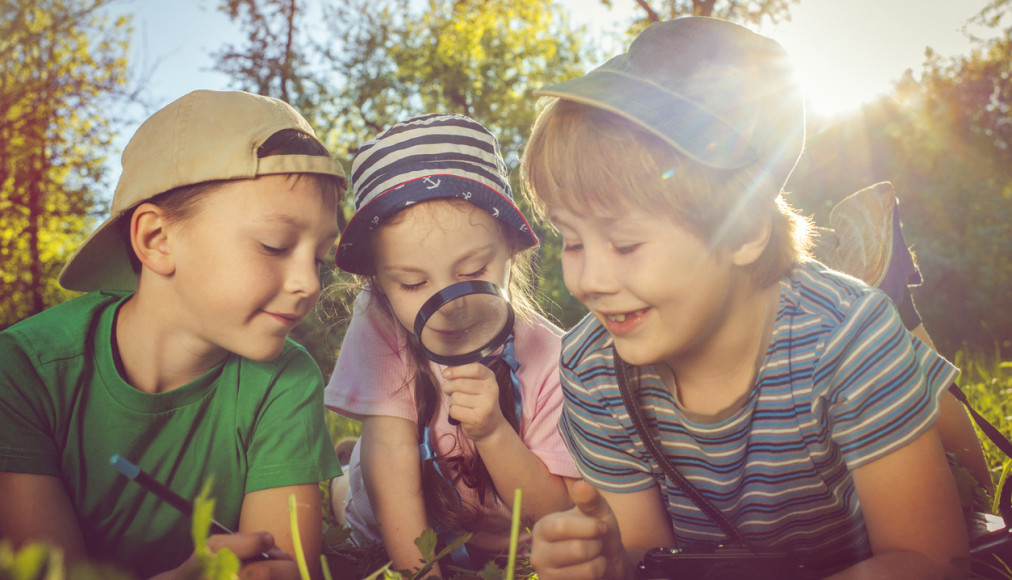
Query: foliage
point(274, 60)
point(749, 12)
point(63, 62)
point(944, 142)
point(222, 564)
point(387, 60)
point(987, 382)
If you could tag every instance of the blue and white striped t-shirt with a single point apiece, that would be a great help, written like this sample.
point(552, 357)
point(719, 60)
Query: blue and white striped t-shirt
point(842, 384)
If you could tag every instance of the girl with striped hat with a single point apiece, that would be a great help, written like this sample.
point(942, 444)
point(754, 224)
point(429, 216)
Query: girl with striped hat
point(443, 447)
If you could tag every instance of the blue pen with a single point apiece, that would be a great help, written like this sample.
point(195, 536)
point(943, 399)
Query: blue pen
point(161, 490)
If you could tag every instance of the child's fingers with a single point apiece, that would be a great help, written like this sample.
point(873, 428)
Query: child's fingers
point(246, 546)
point(568, 525)
point(589, 501)
point(474, 370)
point(568, 545)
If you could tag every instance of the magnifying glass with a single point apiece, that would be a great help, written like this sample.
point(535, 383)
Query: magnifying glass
point(464, 322)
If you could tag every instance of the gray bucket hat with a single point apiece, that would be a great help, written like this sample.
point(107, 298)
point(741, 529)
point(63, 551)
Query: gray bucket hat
point(717, 92)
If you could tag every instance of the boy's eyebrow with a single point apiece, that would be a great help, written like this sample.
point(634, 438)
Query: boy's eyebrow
point(289, 220)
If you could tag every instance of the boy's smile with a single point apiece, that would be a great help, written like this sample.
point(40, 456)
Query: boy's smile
point(664, 296)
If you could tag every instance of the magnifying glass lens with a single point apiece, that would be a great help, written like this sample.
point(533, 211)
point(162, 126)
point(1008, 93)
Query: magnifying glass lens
point(464, 323)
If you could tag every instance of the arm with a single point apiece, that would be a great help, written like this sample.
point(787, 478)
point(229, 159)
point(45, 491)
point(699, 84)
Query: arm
point(474, 397)
point(603, 537)
point(391, 471)
point(36, 508)
point(912, 513)
point(266, 510)
point(956, 430)
point(513, 466)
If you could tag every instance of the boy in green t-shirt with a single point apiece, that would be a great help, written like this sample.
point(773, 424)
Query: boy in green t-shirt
point(178, 358)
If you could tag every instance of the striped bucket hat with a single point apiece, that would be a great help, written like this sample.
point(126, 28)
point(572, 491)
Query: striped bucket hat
point(429, 157)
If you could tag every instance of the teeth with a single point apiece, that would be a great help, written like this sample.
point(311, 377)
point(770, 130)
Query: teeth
point(623, 317)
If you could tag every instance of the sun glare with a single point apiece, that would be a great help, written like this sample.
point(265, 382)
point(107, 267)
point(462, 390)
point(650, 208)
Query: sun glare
point(850, 53)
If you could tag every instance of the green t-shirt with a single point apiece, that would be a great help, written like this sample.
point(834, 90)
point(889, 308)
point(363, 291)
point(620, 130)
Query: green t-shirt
point(66, 410)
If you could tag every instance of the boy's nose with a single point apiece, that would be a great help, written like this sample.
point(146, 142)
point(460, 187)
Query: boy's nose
point(304, 278)
point(595, 276)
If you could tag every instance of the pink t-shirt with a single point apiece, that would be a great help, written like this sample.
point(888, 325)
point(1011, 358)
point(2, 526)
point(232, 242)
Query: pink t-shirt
point(371, 379)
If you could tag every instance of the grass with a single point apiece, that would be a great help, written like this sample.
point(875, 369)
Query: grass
point(987, 382)
point(985, 378)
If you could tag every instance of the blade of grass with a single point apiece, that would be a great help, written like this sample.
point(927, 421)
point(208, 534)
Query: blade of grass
point(514, 533)
point(300, 555)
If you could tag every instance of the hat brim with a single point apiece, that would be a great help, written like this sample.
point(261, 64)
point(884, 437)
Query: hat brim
point(353, 254)
point(688, 127)
point(101, 262)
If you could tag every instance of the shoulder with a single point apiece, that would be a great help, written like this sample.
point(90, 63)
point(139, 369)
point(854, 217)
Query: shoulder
point(827, 293)
point(293, 367)
point(826, 307)
point(61, 331)
point(535, 333)
point(585, 342)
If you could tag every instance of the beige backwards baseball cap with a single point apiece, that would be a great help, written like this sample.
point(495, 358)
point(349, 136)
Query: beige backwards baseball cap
point(202, 136)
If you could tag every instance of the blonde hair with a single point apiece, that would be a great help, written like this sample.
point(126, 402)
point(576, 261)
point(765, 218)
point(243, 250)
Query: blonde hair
point(581, 157)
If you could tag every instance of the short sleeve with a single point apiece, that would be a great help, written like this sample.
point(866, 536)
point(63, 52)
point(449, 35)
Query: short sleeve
point(26, 413)
point(599, 441)
point(371, 376)
point(290, 443)
point(539, 346)
point(881, 386)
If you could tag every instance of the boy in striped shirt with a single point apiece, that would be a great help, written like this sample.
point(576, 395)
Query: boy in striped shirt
point(790, 396)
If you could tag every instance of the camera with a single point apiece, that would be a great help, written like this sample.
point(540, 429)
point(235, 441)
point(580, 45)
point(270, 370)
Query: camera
point(721, 562)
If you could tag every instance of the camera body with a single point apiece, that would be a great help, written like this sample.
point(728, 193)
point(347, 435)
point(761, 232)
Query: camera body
point(721, 562)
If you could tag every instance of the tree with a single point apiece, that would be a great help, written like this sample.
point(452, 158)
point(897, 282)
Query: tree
point(275, 58)
point(749, 12)
point(63, 61)
point(482, 58)
point(944, 142)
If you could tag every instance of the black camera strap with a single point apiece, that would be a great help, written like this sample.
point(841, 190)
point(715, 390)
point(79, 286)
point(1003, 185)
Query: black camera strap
point(636, 415)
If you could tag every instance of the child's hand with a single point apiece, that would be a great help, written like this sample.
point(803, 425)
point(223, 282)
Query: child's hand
point(474, 399)
point(247, 547)
point(582, 543)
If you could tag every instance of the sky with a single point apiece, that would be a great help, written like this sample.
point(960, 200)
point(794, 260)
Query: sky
point(846, 51)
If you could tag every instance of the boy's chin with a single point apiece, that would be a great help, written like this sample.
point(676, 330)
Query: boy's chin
point(266, 353)
point(635, 355)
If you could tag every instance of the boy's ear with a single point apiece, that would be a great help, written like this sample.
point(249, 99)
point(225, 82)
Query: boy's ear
point(149, 239)
point(753, 246)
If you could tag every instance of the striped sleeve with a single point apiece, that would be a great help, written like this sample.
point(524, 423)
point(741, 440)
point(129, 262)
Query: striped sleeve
point(594, 422)
point(881, 385)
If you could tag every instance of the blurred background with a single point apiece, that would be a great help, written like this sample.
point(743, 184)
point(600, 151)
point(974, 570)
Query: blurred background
point(916, 92)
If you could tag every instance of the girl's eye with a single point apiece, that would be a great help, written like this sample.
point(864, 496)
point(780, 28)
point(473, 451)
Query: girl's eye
point(412, 287)
point(478, 273)
point(272, 250)
point(574, 247)
point(626, 249)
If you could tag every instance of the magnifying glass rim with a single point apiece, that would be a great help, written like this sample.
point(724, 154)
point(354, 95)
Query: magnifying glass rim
point(450, 293)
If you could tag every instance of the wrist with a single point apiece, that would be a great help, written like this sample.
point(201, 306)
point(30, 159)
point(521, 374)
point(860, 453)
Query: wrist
point(498, 435)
